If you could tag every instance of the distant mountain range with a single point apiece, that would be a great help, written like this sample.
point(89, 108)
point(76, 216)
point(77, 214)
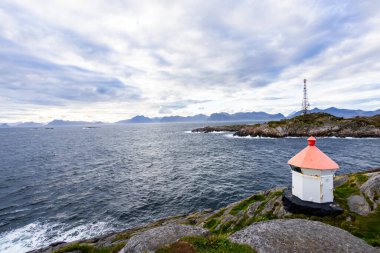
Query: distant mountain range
point(241, 116)
point(58, 122)
point(222, 116)
point(244, 116)
point(29, 124)
point(345, 113)
point(143, 119)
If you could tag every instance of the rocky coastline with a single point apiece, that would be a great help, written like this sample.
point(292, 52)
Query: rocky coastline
point(259, 223)
point(316, 124)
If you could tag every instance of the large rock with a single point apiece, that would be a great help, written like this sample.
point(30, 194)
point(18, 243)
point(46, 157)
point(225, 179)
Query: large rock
point(298, 235)
point(371, 188)
point(155, 238)
point(339, 180)
point(359, 205)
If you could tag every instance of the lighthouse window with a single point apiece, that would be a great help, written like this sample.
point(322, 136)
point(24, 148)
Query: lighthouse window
point(297, 169)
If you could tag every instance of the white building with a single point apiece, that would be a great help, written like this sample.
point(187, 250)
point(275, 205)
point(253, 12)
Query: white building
point(313, 174)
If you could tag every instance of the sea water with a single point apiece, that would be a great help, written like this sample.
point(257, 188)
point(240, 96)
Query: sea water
point(69, 183)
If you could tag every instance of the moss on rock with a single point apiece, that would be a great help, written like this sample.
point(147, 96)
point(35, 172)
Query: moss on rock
point(88, 248)
point(211, 244)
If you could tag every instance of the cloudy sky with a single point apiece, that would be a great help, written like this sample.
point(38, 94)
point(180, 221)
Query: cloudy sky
point(111, 60)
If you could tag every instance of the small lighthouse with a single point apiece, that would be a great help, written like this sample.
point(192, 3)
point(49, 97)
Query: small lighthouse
point(313, 174)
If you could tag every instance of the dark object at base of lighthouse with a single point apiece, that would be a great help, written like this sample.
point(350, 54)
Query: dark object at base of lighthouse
point(295, 205)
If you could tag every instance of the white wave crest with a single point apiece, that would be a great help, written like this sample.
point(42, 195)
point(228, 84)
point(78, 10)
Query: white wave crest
point(334, 137)
point(212, 132)
point(37, 235)
point(248, 137)
point(361, 138)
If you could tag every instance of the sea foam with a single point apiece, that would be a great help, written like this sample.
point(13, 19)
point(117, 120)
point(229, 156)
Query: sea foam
point(247, 137)
point(38, 235)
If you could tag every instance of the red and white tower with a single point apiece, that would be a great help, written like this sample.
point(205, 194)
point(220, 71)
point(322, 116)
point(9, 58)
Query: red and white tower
point(313, 174)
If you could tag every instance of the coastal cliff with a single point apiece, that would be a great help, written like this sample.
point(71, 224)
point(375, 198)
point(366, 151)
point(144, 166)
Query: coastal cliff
point(255, 224)
point(316, 124)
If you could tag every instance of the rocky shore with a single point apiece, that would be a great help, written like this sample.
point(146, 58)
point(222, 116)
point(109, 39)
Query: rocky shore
point(316, 124)
point(259, 223)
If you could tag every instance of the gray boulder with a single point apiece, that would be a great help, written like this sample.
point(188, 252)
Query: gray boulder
point(339, 180)
point(371, 188)
point(155, 238)
point(299, 235)
point(359, 205)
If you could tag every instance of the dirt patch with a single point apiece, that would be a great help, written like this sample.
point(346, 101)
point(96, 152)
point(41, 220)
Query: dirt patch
point(181, 247)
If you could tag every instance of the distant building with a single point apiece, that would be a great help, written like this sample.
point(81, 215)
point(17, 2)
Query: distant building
point(313, 174)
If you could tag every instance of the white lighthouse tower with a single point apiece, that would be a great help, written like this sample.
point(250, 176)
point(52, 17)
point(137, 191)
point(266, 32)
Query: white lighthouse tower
point(313, 174)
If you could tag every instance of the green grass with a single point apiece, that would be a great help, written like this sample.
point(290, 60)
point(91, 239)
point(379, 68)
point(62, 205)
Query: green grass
point(243, 205)
point(217, 214)
point(212, 244)
point(87, 248)
point(276, 194)
point(361, 178)
point(274, 124)
point(364, 227)
point(212, 223)
point(346, 190)
point(369, 227)
point(215, 225)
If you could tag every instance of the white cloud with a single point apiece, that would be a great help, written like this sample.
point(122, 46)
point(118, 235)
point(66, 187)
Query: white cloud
point(220, 55)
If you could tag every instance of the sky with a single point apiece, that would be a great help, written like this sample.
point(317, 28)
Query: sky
point(111, 60)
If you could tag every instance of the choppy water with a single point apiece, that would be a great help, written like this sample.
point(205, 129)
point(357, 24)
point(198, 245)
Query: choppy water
point(69, 183)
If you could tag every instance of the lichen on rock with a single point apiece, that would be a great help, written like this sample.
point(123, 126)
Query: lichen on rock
point(371, 189)
point(299, 235)
point(358, 205)
point(155, 238)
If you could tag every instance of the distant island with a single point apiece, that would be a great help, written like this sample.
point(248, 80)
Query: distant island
point(218, 117)
point(316, 124)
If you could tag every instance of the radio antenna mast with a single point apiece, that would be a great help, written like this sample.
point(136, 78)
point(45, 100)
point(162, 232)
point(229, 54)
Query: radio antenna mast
point(305, 101)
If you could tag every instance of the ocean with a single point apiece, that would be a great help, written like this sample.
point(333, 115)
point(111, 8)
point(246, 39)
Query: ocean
point(70, 183)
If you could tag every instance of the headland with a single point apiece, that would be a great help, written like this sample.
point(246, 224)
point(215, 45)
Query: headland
point(316, 124)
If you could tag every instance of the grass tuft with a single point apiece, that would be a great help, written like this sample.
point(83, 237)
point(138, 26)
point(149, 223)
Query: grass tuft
point(361, 178)
point(211, 223)
point(87, 248)
point(211, 244)
point(243, 205)
point(217, 244)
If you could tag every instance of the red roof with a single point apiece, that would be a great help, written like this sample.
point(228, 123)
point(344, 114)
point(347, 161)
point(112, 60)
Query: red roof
point(313, 158)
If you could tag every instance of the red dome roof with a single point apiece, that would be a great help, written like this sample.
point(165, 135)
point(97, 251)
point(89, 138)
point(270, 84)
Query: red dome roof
point(313, 158)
